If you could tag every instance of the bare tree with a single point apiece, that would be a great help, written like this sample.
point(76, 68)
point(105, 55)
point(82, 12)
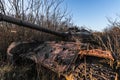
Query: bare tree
point(2, 9)
point(47, 12)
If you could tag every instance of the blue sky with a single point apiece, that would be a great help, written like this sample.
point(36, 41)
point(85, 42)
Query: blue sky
point(93, 13)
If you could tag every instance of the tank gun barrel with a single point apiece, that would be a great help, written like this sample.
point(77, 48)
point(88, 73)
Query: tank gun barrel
point(19, 22)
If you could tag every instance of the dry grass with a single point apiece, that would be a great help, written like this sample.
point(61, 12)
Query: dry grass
point(9, 72)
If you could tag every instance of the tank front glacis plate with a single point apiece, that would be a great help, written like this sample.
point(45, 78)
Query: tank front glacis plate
point(58, 56)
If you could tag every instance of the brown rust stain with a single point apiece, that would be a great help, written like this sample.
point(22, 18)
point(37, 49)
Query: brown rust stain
point(97, 53)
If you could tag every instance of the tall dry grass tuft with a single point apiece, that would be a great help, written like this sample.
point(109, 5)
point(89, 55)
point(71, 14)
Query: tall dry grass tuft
point(110, 39)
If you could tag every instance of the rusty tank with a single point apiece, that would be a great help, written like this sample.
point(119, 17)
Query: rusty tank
point(76, 57)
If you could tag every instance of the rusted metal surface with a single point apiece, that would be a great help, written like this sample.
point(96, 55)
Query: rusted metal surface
point(59, 56)
point(97, 53)
point(56, 56)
